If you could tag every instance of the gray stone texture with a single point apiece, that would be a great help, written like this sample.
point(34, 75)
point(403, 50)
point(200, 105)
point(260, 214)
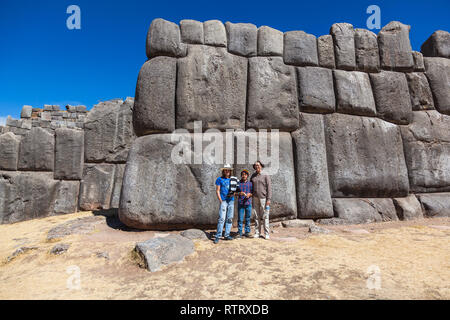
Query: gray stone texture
point(118, 179)
point(426, 144)
point(313, 189)
point(395, 48)
point(366, 48)
point(316, 90)
point(242, 38)
point(325, 51)
point(66, 199)
point(365, 157)
point(419, 65)
point(211, 87)
point(37, 151)
point(270, 42)
point(392, 98)
point(420, 92)
point(194, 234)
point(435, 204)
point(215, 33)
point(408, 208)
point(26, 112)
point(9, 151)
point(97, 186)
point(272, 95)
point(154, 104)
point(437, 45)
point(438, 74)
point(355, 211)
point(164, 39)
point(191, 31)
point(300, 49)
point(354, 93)
point(344, 45)
point(69, 154)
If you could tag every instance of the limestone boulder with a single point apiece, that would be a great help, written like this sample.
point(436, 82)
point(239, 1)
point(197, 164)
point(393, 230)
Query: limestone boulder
point(325, 51)
point(316, 90)
point(344, 45)
point(164, 39)
point(270, 42)
point(272, 95)
point(118, 180)
point(366, 48)
point(408, 208)
point(355, 211)
point(420, 92)
point(26, 112)
point(365, 157)
point(242, 38)
point(69, 154)
point(419, 65)
point(191, 31)
point(212, 88)
point(435, 204)
point(154, 104)
point(214, 33)
point(97, 186)
point(437, 45)
point(426, 144)
point(9, 151)
point(66, 199)
point(392, 99)
point(300, 49)
point(395, 48)
point(37, 151)
point(438, 74)
point(312, 184)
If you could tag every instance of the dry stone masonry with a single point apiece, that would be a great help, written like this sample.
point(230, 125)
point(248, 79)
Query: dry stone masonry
point(363, 120)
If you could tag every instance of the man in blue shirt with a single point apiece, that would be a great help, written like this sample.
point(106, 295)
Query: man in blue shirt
point(226, 199)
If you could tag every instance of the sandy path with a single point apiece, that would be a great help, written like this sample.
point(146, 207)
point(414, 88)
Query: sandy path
point(413, 259)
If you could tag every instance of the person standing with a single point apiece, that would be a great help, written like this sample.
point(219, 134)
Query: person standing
point(245, 192)
point(262, 194)
point(225, 186)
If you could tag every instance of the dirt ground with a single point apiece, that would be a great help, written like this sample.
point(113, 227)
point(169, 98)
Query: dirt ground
point(390, 260)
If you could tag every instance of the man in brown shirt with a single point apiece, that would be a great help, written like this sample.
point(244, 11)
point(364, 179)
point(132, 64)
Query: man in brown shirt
point(262, 194)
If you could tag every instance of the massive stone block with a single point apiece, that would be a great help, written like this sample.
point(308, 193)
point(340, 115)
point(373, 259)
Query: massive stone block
point(395, 48)
point(26, 112)
point(300, 49)
point(69, 154)
point(215, 33)
point(37, 151)
point(344, 45)
point(97, 186)
point(211, 87)
point(191, 31)
point(437, 45)
point(438, 74)
point(164, 39)
point(420, 92)
point(391, 93)
point(242, 38)
point(272, 95)
point(270, 42)
point(313, 189)
point(325, 51)
point(419, 65)
point(109, 131)
point(315, 90)
point(426, 144)
point(408, 208)
point(366, 48)
point(154, 104)
point(66, 199)
point(118, 180)
point(354, 93)
point(435, 204)
point(26, 195)
point(9, 151)
point(365, 157)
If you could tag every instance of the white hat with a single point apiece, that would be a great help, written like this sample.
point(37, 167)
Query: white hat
point(227, 166)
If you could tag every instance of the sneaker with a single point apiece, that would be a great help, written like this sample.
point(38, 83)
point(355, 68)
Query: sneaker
point(216, 240)
point(247, 235)
point(229, 238)
point(256, 235)
point(267, 237)
point(239, 236)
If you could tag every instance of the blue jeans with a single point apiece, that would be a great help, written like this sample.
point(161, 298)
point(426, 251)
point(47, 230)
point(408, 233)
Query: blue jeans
point(247, 211)
point(226, 212)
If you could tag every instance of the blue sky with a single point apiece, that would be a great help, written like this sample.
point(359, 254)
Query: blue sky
point(43, 62)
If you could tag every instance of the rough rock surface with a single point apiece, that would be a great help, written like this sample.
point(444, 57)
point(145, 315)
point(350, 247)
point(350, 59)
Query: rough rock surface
point(215, 33)
point(319, 230)
point(211, 87)
point(354, 93)
point(325, 51)
point(242, 38)
point(408, 208)
point(426, 144)
point(272, 95)
point(60, 248)
point(194, 234)
point(154, 254)
point(69, 154)
point(315, 90)
point(300, 49)
point(392, 99)
point(66, 200)
point(270, 42)
point(83, 225)
point(365, 157)
point(26, 112)
point(438, 74)
point(344, 45)
point(164, 39)
point(420, 92)
point(118, 180)
point(313, 190)
point(297, 223)
point(97, 186)
point(355, 211)
point(435, 204)
point(395, 48)
point(37, 151)
point(366, 47)
point(419, 65)
point(9, 151)
point(191, 31)
point(154, 104)
point(437, 45)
